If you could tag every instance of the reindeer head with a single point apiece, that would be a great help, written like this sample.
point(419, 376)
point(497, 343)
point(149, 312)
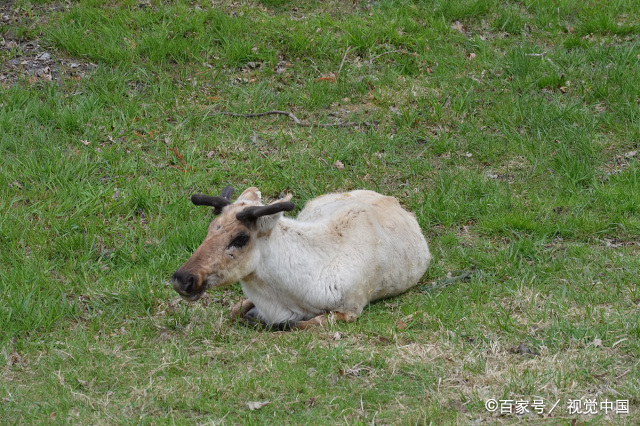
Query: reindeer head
point(228, 253)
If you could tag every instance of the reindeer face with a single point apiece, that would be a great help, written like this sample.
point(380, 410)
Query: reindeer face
point(228, 253)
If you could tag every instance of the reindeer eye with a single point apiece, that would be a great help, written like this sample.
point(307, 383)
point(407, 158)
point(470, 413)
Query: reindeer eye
point(239, 241)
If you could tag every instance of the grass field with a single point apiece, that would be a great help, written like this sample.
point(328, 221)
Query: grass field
point(510, 128)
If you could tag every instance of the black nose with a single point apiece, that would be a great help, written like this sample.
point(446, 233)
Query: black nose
point(185, 282)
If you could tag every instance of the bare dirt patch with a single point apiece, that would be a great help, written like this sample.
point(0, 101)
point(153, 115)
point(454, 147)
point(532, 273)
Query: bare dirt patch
point(31, 59)
point(620, 162)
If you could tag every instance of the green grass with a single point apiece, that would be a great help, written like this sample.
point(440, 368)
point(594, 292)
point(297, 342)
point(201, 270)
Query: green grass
point(511, 129)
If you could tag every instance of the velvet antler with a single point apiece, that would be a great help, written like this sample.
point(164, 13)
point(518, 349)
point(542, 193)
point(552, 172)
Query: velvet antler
point(252, 213)
point(218, 203)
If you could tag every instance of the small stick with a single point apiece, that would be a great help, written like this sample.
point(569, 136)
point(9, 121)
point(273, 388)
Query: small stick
point(446, 282)
point(314, 64)
point(260, 114)
point(385, 53)
point(343, 58)
point(294, 118)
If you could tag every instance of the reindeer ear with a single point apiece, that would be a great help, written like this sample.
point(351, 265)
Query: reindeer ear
point(250, 194)
point(266, 223)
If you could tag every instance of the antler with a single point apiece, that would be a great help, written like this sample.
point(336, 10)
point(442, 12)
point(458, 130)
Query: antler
point(252, 213)
point(218, 203)
point(227, 192)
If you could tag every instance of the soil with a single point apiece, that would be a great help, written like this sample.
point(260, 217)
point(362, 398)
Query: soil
point(33, 60)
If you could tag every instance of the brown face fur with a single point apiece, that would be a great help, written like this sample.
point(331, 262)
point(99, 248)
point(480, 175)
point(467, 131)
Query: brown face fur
point(225, 256)
point(228, 253)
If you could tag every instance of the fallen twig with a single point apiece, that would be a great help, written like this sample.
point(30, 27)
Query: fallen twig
point(385, 53)
point(342, 63)
point(449, 280)
point(404, 52)
point(295, 119)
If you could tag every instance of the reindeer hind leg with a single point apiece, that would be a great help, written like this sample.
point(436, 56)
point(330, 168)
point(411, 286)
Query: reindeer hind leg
point(322, 320)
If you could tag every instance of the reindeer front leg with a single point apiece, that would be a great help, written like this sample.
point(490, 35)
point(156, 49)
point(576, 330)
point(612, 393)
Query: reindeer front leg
point(240, 309)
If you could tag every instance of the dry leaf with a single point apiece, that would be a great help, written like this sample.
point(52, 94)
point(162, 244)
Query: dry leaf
point(12, 358)
point(256, 405)
point(327, 77)
point(356, 370)
point(401, 325)
point(523, 349)
point(281, 67)
point(458, 26)
point(44, 73)
point(132, 43)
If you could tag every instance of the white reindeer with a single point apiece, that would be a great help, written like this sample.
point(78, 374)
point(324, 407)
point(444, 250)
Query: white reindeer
point(343, 251)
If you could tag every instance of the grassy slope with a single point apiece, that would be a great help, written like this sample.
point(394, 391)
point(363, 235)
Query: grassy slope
point(507, 127)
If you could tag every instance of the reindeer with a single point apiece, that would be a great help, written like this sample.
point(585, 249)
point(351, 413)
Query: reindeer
point(342, 252)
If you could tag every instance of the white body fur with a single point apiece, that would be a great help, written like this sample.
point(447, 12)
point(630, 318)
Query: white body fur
point(343, 251)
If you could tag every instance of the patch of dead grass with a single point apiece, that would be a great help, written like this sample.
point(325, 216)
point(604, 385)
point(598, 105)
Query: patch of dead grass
point(504, 370)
